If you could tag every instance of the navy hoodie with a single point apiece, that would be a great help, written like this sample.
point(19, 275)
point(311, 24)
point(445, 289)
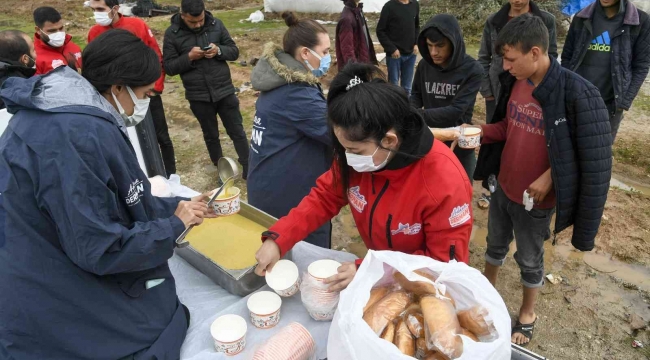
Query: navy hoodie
point(290, 143)
point(447, 94)
point(82, 234)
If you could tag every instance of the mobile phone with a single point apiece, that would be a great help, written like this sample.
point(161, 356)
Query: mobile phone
point(206, 48)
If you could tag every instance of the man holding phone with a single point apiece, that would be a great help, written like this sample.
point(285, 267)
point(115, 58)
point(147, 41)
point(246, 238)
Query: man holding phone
point(198, 47)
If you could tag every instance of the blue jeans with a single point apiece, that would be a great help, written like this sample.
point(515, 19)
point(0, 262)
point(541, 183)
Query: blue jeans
point(403, 68)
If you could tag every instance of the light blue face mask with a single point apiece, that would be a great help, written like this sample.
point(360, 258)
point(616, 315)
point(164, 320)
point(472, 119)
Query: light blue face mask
point(324, 67)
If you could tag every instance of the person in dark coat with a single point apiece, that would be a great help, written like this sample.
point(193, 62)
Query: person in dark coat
point(447, 80)
point(549, 141)
point(609, 44)
point(291, 143)
point(17, 56)
point(353, 40)
point(198, 47)
point(84, 251)
point(488, 56)
point(397, 30)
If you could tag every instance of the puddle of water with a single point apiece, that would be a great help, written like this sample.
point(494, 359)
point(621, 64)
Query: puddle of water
point(602, 263)
point(629, 184)
point(479, 237)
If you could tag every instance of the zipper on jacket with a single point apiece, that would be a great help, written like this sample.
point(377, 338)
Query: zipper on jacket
point(388, 233)
point(555, 184)
point(374, 206)
point(452, 252)
point(372, 182)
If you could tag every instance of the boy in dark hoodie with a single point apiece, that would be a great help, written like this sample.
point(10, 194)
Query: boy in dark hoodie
point(447, 81)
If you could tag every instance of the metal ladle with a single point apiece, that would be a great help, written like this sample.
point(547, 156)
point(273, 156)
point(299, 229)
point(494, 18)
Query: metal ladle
point(228, 173)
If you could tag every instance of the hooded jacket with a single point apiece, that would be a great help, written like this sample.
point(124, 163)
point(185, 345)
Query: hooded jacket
point(353, 44)
point(49, 57)
point(448, 93)
point(416, 206)
point(630, 50)
point(579, 145)
point(488, 57)
point(13, 69)
point(291, 143)
point(83, 234)
point(206, 80)
point(139, 28)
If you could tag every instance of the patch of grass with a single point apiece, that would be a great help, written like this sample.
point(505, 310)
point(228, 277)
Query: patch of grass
point(15, 23)
point(642, 102)
point(233, 21)
point(632, 153)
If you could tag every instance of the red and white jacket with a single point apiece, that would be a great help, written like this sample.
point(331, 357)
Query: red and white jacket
point(416, 206)
point(49, 58)
point(139, 28)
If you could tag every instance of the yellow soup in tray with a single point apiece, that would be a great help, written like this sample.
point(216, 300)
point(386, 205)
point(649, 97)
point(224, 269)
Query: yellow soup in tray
point(230, 241)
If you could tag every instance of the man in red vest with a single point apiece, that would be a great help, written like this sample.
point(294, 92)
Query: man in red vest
point(53, 46)
point(107, 17)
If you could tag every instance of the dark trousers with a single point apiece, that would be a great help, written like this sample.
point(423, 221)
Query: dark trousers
point(228, 110)
point(615, 120)
point(162, 134)
point(490, 107)
point(467, 158)
point(507, 220)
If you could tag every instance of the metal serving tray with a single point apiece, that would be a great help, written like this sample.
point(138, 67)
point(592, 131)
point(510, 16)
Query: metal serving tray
point(520, 353)
point(237, 282)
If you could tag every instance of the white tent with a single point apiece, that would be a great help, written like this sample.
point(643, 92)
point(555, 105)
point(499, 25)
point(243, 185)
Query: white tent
point(318, 6)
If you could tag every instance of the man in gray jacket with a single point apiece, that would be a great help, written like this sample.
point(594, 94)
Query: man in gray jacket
point(493, 63)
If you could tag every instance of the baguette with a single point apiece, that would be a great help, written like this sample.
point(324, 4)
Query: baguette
point(475, 321)
point(470, 334)
point(420, 288)
point(404, 340)
point(386, 310)
point(415, 287)
point(389, 332)
point(442, 326)
point(415, 323)
point(375, 295)
point(421, 348)
point(435, 355)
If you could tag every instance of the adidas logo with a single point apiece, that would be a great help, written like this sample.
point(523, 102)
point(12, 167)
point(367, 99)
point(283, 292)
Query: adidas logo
point(601, 43)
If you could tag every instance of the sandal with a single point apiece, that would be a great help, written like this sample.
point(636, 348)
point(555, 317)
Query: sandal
point(526, 330)
point(484, 202)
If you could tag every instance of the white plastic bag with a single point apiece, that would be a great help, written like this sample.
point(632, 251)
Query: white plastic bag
point(350, 338)
point(256, 17)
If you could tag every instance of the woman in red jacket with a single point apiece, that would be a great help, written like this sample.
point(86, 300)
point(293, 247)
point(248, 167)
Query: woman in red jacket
point(407, 192)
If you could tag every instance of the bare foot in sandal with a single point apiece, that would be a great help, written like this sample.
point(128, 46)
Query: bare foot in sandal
point(522, 332)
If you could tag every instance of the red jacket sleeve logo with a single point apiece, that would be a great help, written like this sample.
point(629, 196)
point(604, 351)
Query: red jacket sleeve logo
point(459, 216)
point(407, 229)
point(357, 201)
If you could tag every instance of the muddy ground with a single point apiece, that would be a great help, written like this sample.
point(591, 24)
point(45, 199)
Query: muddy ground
point(585, 316)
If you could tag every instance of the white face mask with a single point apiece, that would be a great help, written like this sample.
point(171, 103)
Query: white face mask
point(140, 109)
point(57, 39)
point(364, 163)
point(103, 18)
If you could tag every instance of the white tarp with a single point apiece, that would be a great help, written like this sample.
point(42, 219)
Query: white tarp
point(319, 6)
point(207, 301)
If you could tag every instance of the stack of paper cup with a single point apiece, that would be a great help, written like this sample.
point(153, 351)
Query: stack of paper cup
point(293, 342)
